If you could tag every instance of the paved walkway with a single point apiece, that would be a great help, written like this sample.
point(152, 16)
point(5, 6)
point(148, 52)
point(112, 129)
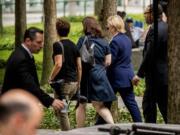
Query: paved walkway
point(120, 102)
point(148, 128)
point(47, 132)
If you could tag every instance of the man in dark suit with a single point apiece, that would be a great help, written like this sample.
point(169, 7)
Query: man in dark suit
point(154, 69)
point(21, 69)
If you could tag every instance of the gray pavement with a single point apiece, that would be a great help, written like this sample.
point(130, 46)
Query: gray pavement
point(120, 102)
point(160, 129)
point(48, 132)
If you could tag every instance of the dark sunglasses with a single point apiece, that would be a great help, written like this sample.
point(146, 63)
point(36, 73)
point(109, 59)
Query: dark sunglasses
point(107, 28)
point(147, 12)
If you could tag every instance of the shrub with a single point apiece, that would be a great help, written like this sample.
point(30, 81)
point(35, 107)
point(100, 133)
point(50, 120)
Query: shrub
point(139, 90)
point(47, 88)
point(49, 120)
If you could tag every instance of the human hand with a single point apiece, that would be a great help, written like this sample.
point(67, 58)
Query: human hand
point(49, 80)
point(135, 80)
point(58, 104)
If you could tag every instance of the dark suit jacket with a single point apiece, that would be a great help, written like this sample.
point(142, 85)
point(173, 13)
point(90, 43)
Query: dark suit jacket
point(154, 64)
point(128, 33)
point(21, 73)
point(120, 72)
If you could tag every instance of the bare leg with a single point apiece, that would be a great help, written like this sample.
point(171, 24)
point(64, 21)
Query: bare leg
point(81, 115)
point(103, 112)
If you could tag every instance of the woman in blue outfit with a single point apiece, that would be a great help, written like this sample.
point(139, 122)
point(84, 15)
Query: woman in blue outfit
point(120, 72)
point(95, 84)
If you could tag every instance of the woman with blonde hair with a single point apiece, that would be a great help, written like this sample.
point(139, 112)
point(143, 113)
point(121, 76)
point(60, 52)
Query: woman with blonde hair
point(120, 72)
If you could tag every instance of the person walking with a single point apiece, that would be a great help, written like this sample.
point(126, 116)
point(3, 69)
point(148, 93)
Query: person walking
point(67, 67)
point(21, 69)
point(95, 85)
point(120, 72)
point(154, 68)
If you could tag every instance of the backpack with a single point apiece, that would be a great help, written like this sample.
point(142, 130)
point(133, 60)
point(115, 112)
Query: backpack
point(87, 51)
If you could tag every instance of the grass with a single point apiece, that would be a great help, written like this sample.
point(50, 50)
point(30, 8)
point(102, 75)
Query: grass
point(4, 54)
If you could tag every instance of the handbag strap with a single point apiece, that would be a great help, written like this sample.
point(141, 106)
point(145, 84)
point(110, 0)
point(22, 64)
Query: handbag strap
point(86, 39)
point(62, 47)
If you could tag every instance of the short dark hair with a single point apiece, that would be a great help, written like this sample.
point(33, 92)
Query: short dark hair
point(164, 4)
point(122, 14)
point(9, 109)
point(150, 7)
point(31, 33)
point(129, 20)
point(91, 27)
point(62, 27)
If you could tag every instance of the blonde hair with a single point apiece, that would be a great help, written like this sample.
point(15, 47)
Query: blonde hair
point(116, 22)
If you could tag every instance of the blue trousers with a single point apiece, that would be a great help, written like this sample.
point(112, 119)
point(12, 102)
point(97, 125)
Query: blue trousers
point(128, 98)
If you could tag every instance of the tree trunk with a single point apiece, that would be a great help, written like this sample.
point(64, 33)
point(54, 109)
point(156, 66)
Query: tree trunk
point(174, 61)
point(98, 4)
point(109, 9)
point(1, 19)
point(49, 38)
point(20, 21)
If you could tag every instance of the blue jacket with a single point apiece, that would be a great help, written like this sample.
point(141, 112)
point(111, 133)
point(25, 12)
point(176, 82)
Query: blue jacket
point(120, 73)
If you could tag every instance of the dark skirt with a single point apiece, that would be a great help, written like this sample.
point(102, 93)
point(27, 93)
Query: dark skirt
point(84, 87)
point(99, 86)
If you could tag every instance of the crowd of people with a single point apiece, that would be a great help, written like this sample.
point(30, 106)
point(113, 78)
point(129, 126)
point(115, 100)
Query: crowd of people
point(92, 71)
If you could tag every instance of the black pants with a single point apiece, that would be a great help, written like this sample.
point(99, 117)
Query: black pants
point(154, 95)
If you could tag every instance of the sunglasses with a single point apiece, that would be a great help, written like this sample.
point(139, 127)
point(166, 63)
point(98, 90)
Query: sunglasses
point(107, 28)
point(147, 12)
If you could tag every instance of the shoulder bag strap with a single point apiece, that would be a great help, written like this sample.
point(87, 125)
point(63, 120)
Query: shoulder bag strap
point(85, 39)
point(63, 58)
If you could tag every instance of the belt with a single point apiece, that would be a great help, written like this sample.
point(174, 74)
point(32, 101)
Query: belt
point(71, 82)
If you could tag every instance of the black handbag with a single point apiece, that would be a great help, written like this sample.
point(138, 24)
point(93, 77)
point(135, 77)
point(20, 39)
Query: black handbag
point(56, 85)
point(80, 98)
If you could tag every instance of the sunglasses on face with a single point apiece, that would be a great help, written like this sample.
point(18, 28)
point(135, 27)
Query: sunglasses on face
point(147, 12)
point(107, 28)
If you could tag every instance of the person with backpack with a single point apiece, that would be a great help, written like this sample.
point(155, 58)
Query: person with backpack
point(96, 56)
point(66, 71)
